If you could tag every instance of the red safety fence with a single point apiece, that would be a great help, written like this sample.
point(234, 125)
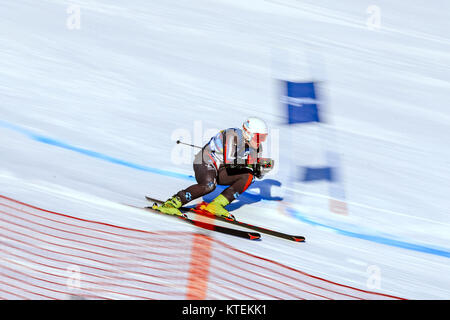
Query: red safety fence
point(50, 255)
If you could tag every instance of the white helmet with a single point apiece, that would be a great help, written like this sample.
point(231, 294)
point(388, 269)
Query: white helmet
point(255, 129)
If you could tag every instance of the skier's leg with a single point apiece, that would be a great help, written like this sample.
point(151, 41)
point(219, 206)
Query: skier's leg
point(206, 176)
point(238, 183)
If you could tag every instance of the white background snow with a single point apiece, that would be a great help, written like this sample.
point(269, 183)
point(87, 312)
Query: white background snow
point(138, 74)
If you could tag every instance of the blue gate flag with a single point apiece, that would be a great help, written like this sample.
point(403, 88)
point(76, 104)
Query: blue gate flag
point(301, 102)
point(316, 174)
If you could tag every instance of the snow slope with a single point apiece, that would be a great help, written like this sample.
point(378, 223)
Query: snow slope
point(89, 118)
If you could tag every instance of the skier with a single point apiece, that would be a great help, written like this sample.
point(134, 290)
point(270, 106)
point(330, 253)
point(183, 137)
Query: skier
point(232, 158)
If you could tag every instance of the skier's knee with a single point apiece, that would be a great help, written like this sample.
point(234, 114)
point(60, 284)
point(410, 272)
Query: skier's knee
point(210, 187)
point(247, 179)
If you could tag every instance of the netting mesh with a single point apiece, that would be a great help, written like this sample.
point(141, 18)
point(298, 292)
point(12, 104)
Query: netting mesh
point(49, 255)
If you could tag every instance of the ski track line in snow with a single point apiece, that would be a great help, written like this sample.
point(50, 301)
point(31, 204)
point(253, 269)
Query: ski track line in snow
point(294, 213)
point(374, 238)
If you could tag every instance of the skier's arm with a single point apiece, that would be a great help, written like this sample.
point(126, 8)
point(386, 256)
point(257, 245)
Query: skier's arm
point(263, 167)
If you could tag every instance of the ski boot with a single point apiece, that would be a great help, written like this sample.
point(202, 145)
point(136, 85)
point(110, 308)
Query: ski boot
point(217, 207)
point(170, 206)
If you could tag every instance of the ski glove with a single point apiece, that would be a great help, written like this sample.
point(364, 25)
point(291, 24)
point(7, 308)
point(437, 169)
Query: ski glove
point(263, 166)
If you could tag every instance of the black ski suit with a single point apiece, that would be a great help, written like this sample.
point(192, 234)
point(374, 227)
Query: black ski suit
point(223, 161)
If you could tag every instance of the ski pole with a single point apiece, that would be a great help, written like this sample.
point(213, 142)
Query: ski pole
point(187, 144)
